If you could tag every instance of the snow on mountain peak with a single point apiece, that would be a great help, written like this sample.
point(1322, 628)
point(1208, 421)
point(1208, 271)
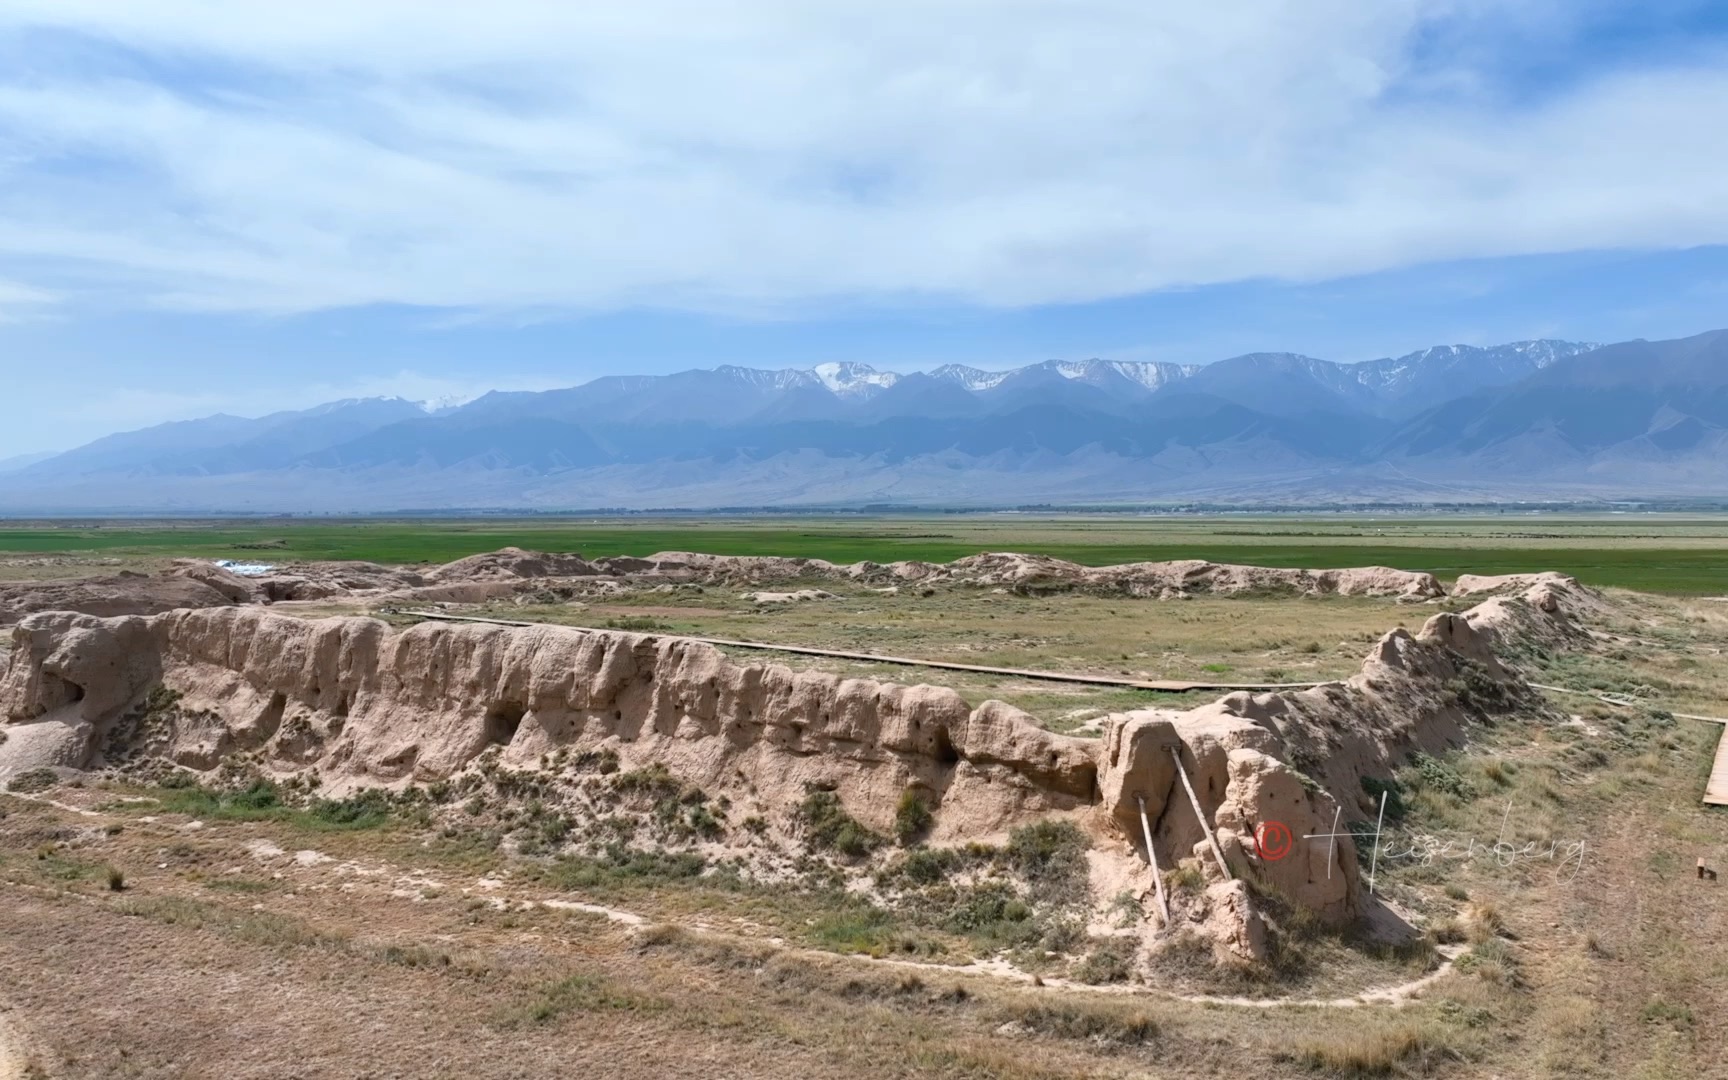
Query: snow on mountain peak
point(783, 379)
point(970, 378)
point(850, 378)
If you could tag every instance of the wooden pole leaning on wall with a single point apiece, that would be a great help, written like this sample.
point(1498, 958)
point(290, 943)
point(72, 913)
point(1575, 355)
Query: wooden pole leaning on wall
point(1194, 801)
point(1152, 859)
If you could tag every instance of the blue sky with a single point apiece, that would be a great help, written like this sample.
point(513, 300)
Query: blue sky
point(204, 211)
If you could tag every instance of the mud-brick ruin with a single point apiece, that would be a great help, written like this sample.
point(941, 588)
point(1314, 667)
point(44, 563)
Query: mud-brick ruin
point(360, 705)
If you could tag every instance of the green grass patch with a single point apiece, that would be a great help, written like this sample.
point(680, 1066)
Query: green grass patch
point(577, 994)
point(262, 801)
point(1594, 551)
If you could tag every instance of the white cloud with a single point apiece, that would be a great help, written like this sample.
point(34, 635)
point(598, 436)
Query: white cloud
point(23, 301)
point(769, 156)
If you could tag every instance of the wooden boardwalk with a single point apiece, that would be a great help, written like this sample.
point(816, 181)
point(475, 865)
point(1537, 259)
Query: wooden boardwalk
point(1168, 686)
point(1716, 791)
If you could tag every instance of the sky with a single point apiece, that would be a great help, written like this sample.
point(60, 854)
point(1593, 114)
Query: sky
point(204, 209)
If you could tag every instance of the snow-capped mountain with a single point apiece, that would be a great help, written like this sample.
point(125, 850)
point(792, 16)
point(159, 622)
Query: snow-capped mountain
point(1455, 370)
point(1532, 412)
point(851, 379)
point(970, 378)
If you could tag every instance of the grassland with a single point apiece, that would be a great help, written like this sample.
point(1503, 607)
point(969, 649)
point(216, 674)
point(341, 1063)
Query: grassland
point(347, 938)
point(1206, 638)
point(403, 937)
point(1675, 554)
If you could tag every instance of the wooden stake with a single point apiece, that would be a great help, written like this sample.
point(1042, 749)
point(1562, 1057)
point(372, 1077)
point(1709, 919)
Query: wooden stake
point(1332, 841)
point(1152, 858)
point(1374, 859)
point(1194, 801)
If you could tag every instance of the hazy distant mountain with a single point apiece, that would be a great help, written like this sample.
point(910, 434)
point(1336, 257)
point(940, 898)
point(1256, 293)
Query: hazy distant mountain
point(1519, 420)
point(1417, 381)
point(226, 444)
point(20, 461)
point(1638, 402)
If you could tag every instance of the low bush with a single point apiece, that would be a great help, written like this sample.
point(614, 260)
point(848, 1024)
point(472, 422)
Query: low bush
point(827, 826)
point(912, 817)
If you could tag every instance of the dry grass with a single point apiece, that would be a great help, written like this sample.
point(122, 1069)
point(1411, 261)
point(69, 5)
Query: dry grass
point(1613, 972)
point(1224, 639)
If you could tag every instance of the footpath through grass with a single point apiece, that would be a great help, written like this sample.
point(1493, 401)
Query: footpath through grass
point(1686, 565)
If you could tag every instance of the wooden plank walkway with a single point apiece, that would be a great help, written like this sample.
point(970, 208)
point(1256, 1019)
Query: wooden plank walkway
point(1716, 790)
point(1169, 686)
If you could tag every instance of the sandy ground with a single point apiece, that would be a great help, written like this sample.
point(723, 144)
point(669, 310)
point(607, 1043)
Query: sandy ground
point(11, 1055)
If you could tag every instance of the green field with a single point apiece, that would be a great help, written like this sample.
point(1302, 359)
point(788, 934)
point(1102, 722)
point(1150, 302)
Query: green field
point(1676, 554)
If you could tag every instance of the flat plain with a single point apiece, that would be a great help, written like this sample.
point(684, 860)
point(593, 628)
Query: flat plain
point(1684, 554)
point(404, 939)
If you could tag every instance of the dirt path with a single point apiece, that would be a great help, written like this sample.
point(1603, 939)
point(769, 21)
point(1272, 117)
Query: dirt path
point(306, 863)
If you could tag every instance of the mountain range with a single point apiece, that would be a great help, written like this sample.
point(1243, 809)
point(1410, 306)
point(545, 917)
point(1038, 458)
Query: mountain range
point(1531, 419)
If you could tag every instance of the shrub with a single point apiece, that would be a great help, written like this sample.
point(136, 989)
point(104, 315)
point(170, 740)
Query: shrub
point(1185, 875)
point(640, 624)
point(365, 810)
point(33, 781)
point(1477, 690)
point(703, 823)
point(623, 864)
point(1435, 774)
point(912, 817)
point(985, 905)
point(1051, 856)
point(1492, 960)
point(927, 866)
point(828, 826)
point(1110, 962)
point(116, 880)
point(1394, 793)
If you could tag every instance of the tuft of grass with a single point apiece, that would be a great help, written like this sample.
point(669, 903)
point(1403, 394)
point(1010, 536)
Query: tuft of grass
point(255, 927)
point(1492, 961)
point(116, 879)
point(1659, 1011)
point(1185, 875)
point(827, 826)
point(912, 817)
point(1105, 1022)
point(638, 624)
point(865, 928)
point(1051, 856)
point(414, 956)
point(577, 994)
point(33, 781)
point(1373, 1049)
point(1110, 962)
point(622, 865)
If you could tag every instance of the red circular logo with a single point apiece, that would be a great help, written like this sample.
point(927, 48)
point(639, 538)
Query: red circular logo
point(1273, 840)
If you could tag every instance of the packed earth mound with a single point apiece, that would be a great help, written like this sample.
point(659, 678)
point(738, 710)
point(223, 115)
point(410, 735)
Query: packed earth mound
point(497, 575)
point(348, 705)
point(994, 569)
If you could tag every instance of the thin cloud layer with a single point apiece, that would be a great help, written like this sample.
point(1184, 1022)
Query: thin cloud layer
point(772, 157)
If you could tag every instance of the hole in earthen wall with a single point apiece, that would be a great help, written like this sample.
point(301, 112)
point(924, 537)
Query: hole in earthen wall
point(502, 723)
point(945, 752)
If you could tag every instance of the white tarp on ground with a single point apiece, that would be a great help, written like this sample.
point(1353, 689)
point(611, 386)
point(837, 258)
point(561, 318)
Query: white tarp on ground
point(245, 569)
